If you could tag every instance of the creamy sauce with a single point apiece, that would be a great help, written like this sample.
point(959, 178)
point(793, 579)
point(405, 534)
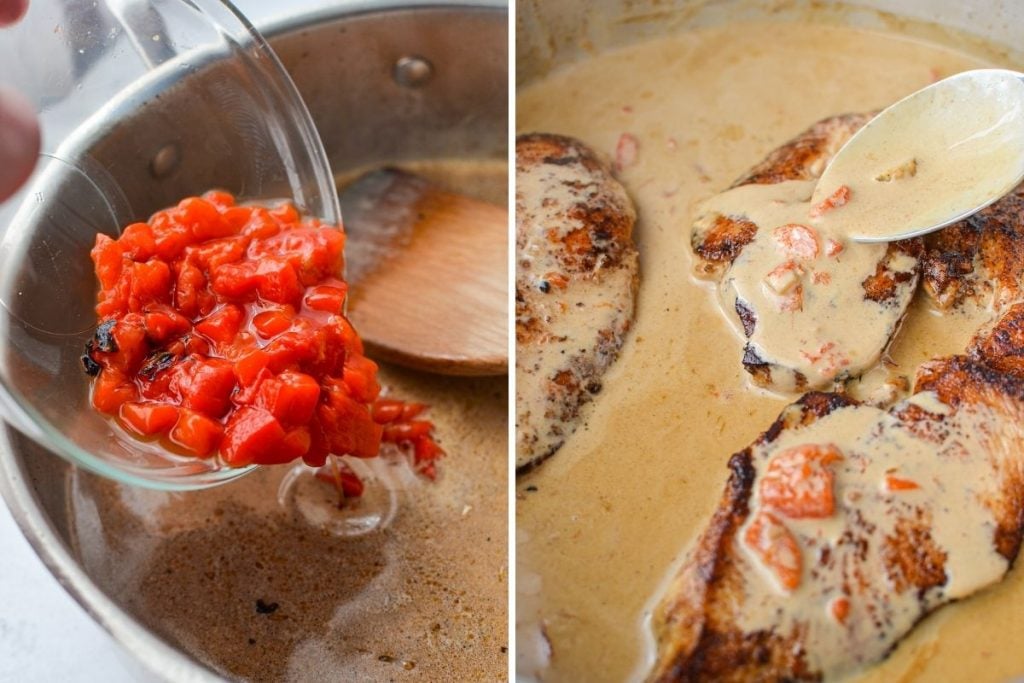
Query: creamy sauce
point(957, 467)
point(955, 146)
point(602, 525)
point(804, 287)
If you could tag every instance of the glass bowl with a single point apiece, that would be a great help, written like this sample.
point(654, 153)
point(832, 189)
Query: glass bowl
point(141, 103)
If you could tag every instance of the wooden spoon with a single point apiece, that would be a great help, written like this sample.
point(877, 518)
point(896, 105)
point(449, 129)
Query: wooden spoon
point(429, 274)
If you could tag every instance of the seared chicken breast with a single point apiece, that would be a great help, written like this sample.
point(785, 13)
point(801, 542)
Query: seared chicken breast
point(793, 290)
point(843, 525)
point(978, 256)
point(576, 282)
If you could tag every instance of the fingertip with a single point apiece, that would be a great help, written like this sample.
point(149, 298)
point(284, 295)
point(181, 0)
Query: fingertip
point(12, 10)
point(19, 141)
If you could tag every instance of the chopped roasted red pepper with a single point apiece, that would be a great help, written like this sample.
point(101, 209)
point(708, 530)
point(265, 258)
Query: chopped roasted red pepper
point(329, 298)
point(111, 390)
point(777, 549)
point(271, 323)
point(221, 326)
point(252, 435)
point(341, 476)
point(222, 331)
point(798, 481)
point(291, 396)
point(149, 419)
point(196, 433)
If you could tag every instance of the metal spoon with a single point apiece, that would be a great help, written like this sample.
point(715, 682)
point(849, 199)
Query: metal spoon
point(933, 158)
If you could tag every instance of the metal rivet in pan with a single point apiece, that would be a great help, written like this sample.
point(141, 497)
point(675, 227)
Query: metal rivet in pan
point(412, 72)
point(164, 161)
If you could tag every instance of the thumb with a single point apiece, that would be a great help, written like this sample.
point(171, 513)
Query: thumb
point(19, 141)
point(12, 10)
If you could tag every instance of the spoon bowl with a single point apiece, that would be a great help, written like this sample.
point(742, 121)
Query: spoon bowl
point(429, 274)
point(933, 158)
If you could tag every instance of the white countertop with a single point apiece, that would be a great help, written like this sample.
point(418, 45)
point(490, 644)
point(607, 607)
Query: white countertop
point(45, 636)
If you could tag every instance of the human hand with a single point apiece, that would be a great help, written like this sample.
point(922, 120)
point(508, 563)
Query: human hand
point(19, 127)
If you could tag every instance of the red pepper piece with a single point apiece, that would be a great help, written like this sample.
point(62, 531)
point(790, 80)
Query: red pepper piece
point(777, 548)
point(204, 219)
point(278, 282)
point(138, 242)
point(206, 385)
point(387, 410)
point(164, 323)
point(893, 484)
point(407, 431)
point(840, 609)
point(291, 397)
point(149, 419)
point(132, 348)
point(249, 366)
point(234, 280)
point(328, 298)
point(196, 433)
point(252, 435)
point(216, 253)
point(222, 325)
point(361, 378)
point(108, 257)
point(426, 453)
point(171, 237)
point(261, 225)
point(221, 199)
point(347, 424)
point(285, 213)
point(798, 482)
point(271, 323)
point(150, 283)
point(111, 389)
